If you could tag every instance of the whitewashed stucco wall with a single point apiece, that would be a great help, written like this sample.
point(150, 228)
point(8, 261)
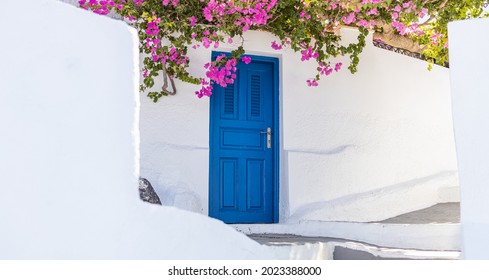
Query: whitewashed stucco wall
point(69, 108)
point(359, 147)
point(469, 42)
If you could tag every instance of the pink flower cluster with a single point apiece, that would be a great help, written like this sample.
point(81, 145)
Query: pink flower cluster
point(221, 75)
point(312, 83)
point(245, 14)
point(251, 12)
point(353, 13)
point(153, 28)
point(246, 59)
point(349, 19)
point(325, 70)
point(167, 2)
point(101, 7)
point(276, 46)
point(308, 54)
point(304, 14)
point(406, 8)
point(367, 24)
point(437, 38)
point(205, 90)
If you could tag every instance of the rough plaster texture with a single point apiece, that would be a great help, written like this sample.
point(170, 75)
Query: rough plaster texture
point(354, 138)
point(69, 107)
point(469, 42)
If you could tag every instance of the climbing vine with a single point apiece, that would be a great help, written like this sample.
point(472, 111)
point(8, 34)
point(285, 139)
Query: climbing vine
point(169, 28)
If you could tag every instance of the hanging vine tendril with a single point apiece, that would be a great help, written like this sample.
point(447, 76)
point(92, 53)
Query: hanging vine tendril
point(167, 77)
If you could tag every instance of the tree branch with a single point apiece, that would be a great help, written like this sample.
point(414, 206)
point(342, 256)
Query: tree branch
point(389, 36)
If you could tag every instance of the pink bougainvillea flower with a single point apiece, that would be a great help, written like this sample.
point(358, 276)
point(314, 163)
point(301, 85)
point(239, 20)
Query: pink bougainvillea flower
point(337, 67)
point(206, 42)
point(246, 59)
point(423, 13)
point(193, 21)
point(312, 83)
point(350, 19)
point(326, 70)
point(152, 29)
point(220, 57)
point(138, 2)
point(373, 11)
point(308, 54)
point(276, 46)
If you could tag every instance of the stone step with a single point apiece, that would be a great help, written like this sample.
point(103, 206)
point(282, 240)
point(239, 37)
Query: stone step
point(317, 248)
point(345, 253)
point(430, 237)
point(436, 228)
point(440, 214)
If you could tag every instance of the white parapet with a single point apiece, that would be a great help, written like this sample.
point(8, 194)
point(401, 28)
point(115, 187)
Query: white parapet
point(469, 59)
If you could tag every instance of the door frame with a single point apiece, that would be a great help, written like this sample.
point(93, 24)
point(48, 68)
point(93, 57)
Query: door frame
point(275, 134)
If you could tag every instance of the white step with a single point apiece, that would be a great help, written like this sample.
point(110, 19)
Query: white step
point(288, 247)
point(431, 237)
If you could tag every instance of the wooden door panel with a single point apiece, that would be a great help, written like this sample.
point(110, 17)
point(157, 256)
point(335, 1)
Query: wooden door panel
point(242, 182)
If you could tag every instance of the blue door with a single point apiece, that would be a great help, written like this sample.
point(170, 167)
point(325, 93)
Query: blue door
point(243, 179)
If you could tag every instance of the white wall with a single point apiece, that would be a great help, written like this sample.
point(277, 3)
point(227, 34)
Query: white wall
point(359, 147)
point(469, 42)
point(69, 108)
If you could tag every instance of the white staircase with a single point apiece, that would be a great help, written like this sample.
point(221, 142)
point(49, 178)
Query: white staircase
point(431, 233)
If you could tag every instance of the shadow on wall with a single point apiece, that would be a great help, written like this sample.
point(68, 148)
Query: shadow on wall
point(383, 203)
point(333, 151)
point(180, 196)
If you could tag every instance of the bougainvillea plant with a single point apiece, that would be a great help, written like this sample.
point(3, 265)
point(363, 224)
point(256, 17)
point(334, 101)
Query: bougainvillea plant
point(168, 28)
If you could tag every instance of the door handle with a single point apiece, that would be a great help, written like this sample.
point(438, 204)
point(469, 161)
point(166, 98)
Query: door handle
point(269, 137)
